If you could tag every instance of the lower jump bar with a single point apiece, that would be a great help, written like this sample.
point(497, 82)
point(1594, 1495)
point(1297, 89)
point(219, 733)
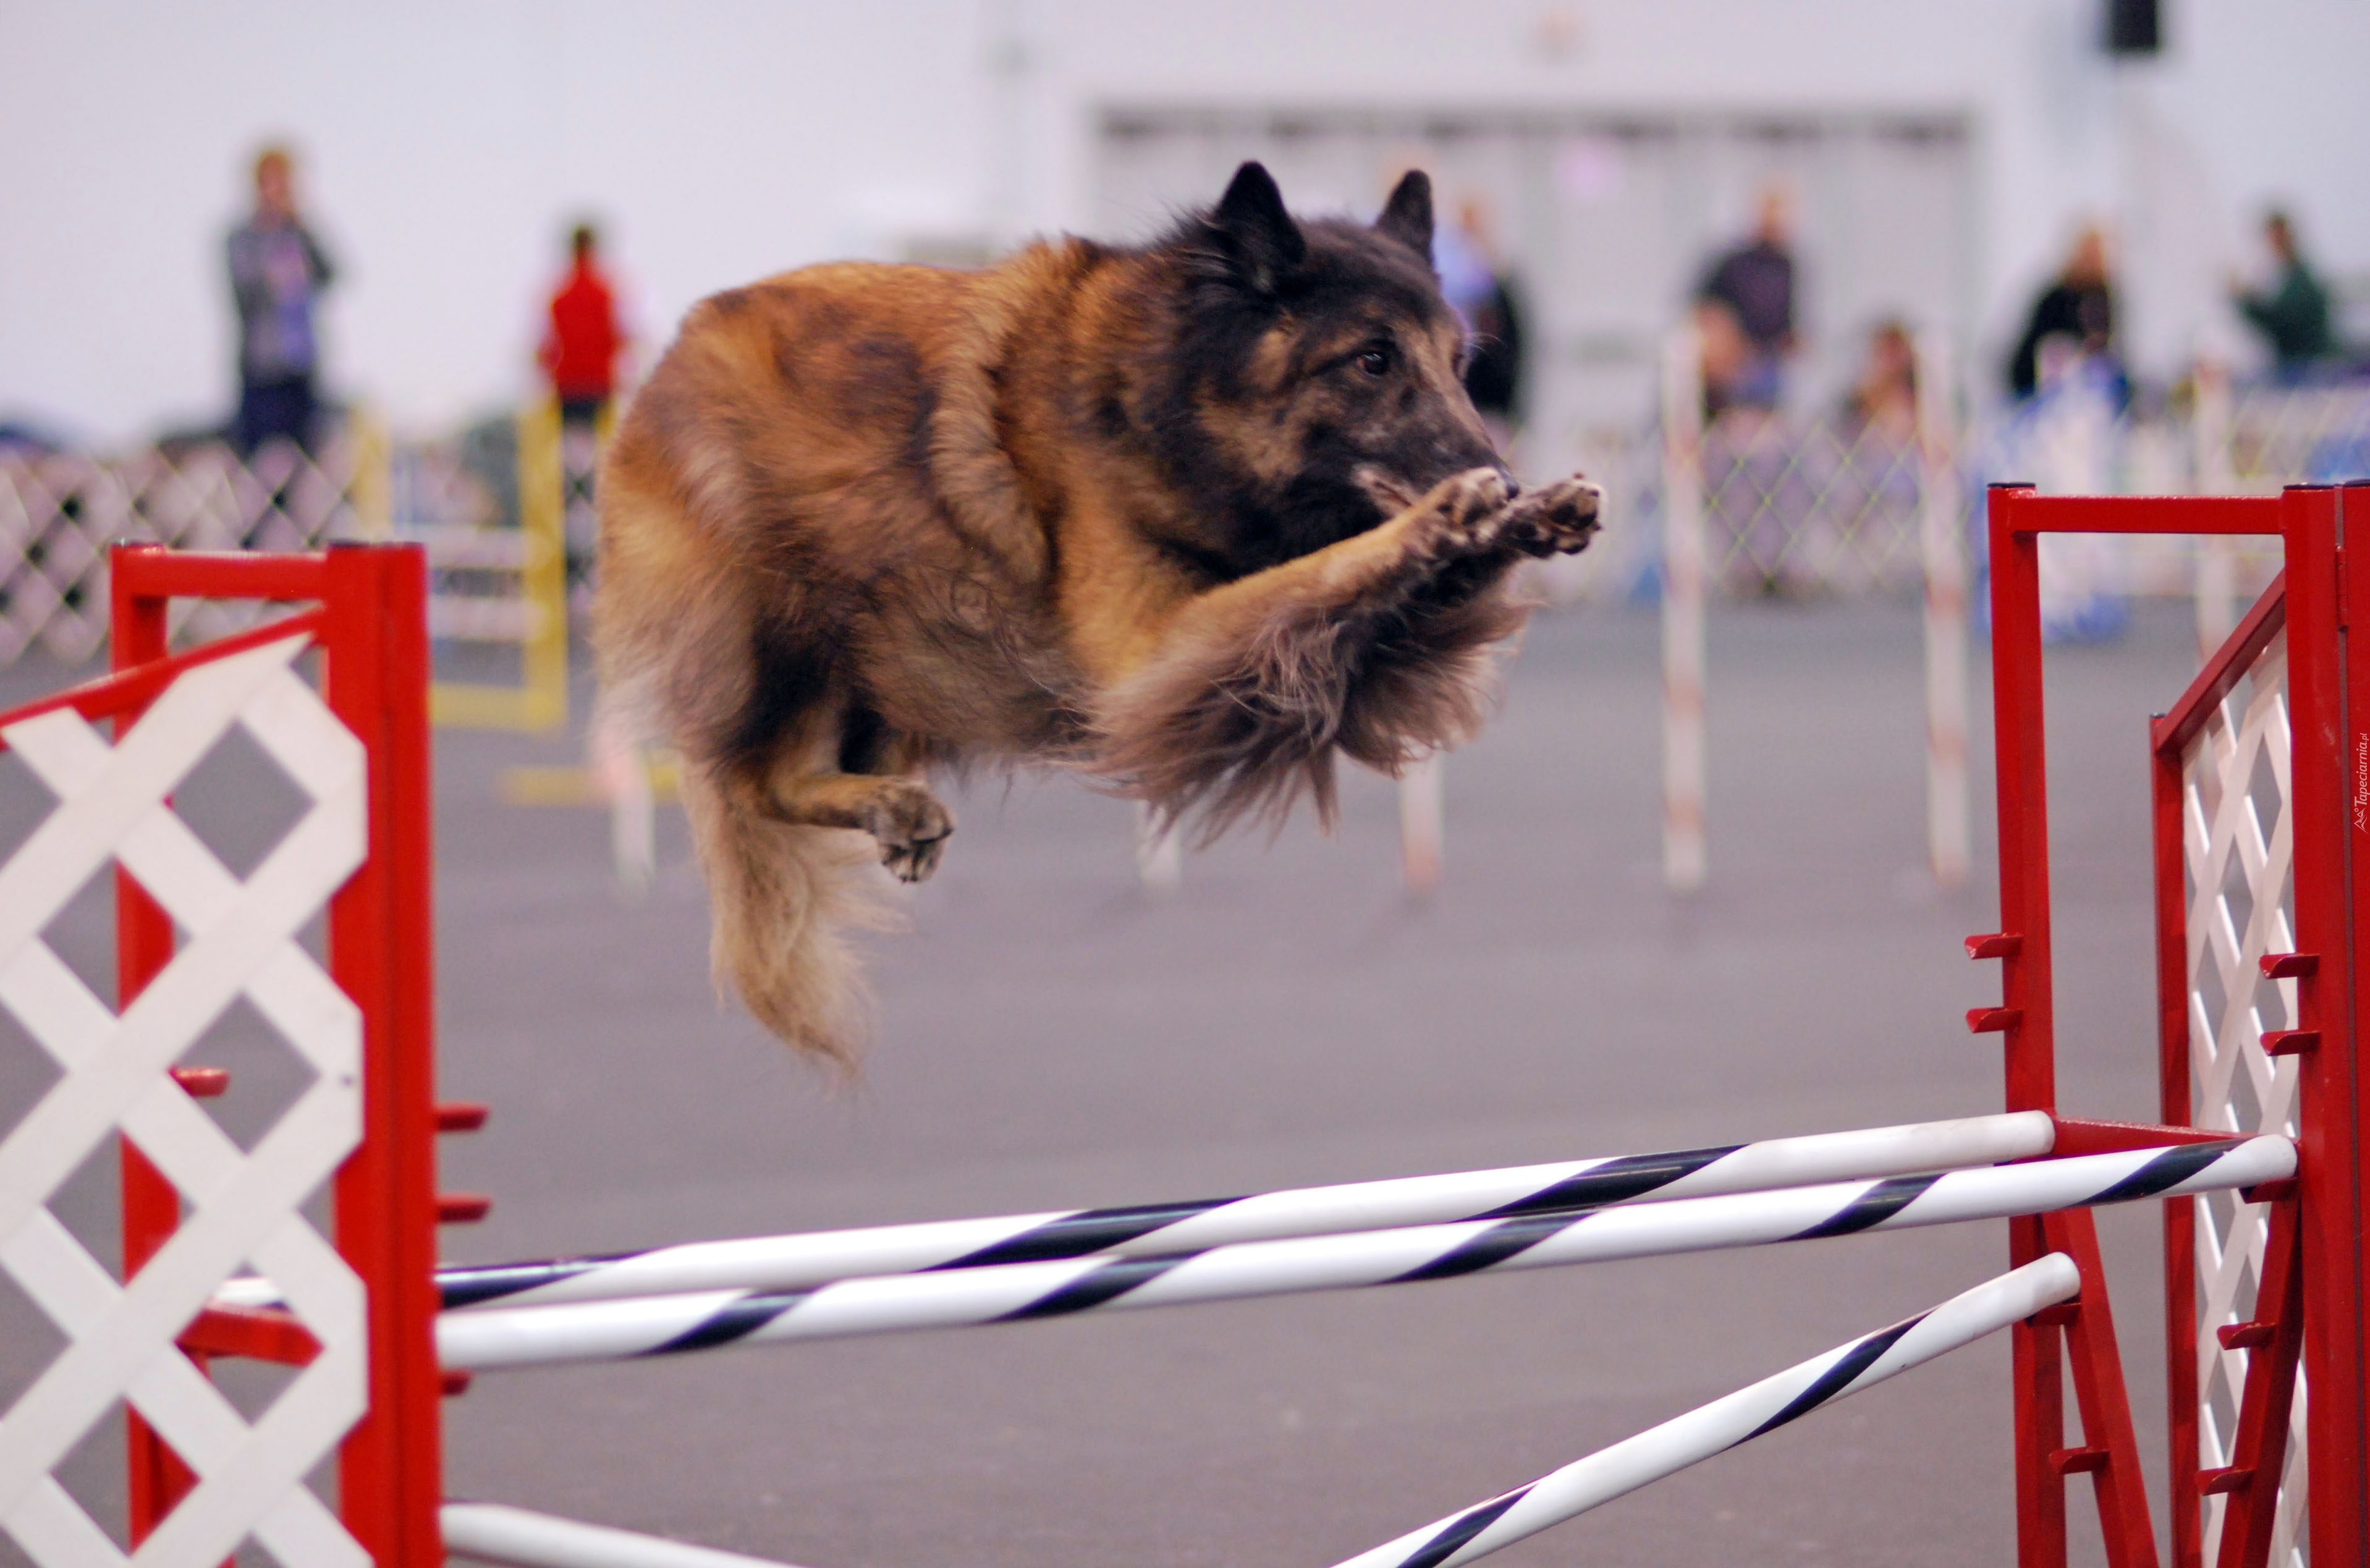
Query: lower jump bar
point(491, 1532)
point(1722, 1424)
point(610, 1330)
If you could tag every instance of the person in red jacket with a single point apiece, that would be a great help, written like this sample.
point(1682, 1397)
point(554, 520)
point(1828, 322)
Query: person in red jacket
point(582, 345)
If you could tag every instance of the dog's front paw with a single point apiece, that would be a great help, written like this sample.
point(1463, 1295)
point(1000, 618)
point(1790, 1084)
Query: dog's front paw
point(1463, 515)
point(1557, 519)
point(912, 827)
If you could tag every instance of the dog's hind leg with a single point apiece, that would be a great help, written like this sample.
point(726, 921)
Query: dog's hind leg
point(899, 811)
point(876, 786)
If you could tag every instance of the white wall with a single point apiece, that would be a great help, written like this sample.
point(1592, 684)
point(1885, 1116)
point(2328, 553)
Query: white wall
point(444, 147)
point(446, 144)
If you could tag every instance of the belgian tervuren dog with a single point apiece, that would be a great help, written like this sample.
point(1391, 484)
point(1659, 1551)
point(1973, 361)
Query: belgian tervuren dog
point(1191, 517)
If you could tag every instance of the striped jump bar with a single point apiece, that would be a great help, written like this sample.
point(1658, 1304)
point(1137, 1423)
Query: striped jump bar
point(1724, 1424)
point(603, 1330)
point(514, 1535)
point(799, 1263)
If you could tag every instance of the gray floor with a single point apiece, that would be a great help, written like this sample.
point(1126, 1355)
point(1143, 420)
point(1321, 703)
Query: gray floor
point(1051, 1037)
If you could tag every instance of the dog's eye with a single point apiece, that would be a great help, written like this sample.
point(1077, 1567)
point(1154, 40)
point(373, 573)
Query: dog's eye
point(1375, 361)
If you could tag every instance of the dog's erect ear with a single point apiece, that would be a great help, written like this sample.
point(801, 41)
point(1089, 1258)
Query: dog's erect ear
point(1407, 216)
point(1264, 240)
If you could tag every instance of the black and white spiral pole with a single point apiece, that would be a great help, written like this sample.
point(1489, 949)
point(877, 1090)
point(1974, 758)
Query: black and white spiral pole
point(602, 1331)
point(1722, 1424)
point(800, 1263)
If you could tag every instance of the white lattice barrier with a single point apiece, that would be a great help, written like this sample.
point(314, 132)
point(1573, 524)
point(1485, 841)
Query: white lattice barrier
point(1831, 506)
point(2290, 435)
point(58, 515)
point(2237, 841)
point(241, 939)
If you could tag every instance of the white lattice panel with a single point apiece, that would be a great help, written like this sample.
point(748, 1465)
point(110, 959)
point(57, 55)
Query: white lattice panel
point(239, 939)
point(2297, 435)
point(59, 514)
point(2237, 844)
point(1831, 506)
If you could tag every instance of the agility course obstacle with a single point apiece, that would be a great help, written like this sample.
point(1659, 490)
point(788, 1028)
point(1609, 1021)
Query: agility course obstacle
point(797, 1262)
point(360, 1302)
point(1020, 1292)
point(533, 619)
point(2260, 778)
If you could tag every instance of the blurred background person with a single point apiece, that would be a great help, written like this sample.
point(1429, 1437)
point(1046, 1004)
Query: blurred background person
point(582, 342)
point(1482, 291)
point(1753, 285)
point(1884, 398)
point(1727, 356)
point(2064, 435)
point(2292, 312)
point(583, 338)
point(2078, 306)
point(277, 272)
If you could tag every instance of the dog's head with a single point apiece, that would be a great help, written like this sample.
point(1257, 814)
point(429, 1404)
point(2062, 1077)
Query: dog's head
point(1313, 384)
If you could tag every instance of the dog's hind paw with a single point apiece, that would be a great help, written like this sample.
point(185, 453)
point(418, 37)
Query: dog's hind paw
point(1557, 519)
point(912, 827)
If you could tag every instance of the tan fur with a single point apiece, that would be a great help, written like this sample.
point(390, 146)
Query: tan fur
point(864, 521)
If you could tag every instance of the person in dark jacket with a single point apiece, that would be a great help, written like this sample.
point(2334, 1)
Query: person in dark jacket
point(2292, 313)
point(277, 272)
point(2080, 306)
point(1754, 285)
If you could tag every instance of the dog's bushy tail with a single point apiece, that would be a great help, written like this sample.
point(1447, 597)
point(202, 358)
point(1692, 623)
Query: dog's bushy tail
point(783, 898)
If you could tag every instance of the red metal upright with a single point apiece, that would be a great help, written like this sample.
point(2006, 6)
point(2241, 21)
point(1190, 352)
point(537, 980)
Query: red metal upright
point(2023, 1018)
point(391, 1473)
point(371, 631)
point(2084, 1328)
point(2331, 717)
point(2309, 1303)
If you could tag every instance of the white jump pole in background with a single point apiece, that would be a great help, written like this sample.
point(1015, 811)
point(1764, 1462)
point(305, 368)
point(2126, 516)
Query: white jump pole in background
point(1423, 819)
point(621, 776)
point(1685, 569)
point(1159, 852)
point(1948, 841)
point(797, 1262)
point(2217, 562)
point(1722, 1424)
point(662, 1325)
